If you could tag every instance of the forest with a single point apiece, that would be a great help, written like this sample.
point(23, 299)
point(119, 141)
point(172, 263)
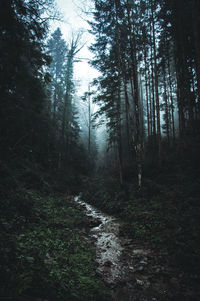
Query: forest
point(128, 148)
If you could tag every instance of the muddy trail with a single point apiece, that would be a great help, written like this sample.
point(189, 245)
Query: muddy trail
point(133, 272)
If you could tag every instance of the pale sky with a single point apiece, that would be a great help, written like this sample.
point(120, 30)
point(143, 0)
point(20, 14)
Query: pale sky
point(73, 22)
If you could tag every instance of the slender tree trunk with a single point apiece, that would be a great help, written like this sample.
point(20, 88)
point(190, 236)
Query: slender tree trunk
point(153, 94)
point(137, 136)
point(167, 117)
point(119, 137)
point(64, 122)
point(127, 108)
point(89, 122)
point(181, 115)
point(184, 84)
point(147, 96)
point(156, 89)
point(119, 67)
point(195, 100)
point(196, 26)
point(171, 96)
point(150, 103)
point(54, 108)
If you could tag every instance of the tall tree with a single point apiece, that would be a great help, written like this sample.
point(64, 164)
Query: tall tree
point(69, 124)
point(22, 77)
point(58, 51)
point(66, 126)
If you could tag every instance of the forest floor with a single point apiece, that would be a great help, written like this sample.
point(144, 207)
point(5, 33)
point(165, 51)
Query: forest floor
point(146, 247)
point(132, 270)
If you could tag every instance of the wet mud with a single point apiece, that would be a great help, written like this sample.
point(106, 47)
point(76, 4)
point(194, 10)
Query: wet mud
point(132, 271)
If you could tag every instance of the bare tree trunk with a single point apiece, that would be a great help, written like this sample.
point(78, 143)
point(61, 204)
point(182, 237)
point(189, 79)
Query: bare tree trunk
point(153, 94)
point(171, 96)
point(150, 102)
point(196, 26)
point(89, 121)
point(167, 117)
point(127, 108)
point(54, 107)
point(147, 96)
point(119, 66)
point(156, 88)
point(119, 137)
point(137, 136)
point(185, 89)
point(195, 103)
point(181, 115)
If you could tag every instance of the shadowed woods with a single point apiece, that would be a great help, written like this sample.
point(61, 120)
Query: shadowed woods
point(130, 145)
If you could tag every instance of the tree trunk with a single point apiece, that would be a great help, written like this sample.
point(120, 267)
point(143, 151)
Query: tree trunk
point(119, 137)
point(119, 67)
point(127, 108)
point(196, 26)
point(137, 134)
point(89, 122)
point(153, 94)
point(171, 96)
point(156, 88)
point(147, 96)
point(167, 117)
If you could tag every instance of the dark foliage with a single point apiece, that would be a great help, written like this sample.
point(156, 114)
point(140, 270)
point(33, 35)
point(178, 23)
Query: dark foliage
point(43, 255)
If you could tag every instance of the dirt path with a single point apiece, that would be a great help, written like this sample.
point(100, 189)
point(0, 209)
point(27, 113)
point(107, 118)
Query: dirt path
point(132, 272)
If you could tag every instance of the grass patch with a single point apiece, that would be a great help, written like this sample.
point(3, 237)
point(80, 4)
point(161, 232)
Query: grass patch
point(44, 254)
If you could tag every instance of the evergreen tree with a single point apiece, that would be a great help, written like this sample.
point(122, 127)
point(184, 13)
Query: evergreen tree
point(64, 112)
point(117, 51)
point(58, 51)
point(22, 79)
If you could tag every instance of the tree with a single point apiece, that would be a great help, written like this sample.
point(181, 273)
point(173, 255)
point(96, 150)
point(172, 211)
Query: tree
point(70, 127)
point(58, 51)
point(64, 111)
point(22, 78)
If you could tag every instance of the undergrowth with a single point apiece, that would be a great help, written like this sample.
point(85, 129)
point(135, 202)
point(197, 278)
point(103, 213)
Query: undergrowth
point(44, 256)
point(165, 216)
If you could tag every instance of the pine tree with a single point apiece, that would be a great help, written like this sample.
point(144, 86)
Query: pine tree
point(22, 78)
point(66, 125)
point(57, 49)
